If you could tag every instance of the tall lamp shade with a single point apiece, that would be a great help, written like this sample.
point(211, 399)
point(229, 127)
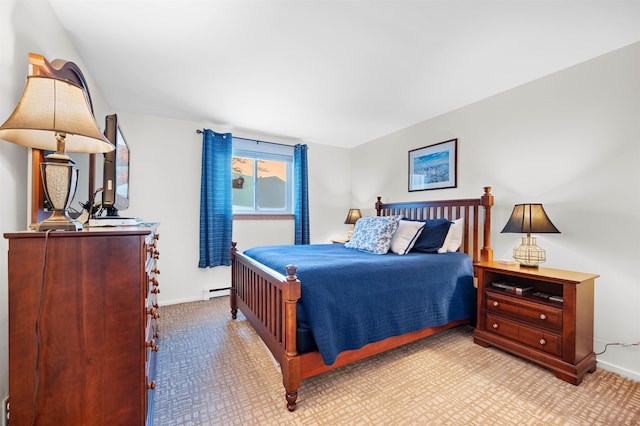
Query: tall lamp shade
point(529, 219)
point(53, 115)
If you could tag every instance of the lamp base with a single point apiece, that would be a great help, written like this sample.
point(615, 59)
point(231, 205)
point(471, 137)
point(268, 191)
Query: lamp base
point(59, 219)
point(60, 179)
point(528, 254)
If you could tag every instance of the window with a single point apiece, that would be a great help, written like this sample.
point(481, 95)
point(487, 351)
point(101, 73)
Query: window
point(262, 175)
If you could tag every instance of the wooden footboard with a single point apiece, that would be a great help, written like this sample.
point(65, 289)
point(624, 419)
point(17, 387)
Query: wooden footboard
point(268, 299)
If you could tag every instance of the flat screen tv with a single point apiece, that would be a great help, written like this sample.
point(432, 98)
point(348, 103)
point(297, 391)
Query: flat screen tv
point(115, 185)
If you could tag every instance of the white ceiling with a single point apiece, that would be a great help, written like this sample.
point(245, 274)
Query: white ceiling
point(330, 72)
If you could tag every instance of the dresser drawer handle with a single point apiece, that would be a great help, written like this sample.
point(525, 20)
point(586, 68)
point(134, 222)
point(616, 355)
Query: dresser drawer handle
point(543, 317)
point(495, 304)
point(152, 385)
point(495, 325)
point(543, 342)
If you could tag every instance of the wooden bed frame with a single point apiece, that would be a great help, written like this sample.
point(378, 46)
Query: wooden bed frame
point(268, 299)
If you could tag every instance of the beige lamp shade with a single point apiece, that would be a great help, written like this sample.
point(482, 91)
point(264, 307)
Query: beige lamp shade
point(352, 216)
point(53, 115)
point(50, 106)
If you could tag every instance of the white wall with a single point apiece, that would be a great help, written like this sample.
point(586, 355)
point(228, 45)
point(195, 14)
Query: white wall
point(165, 187)
point(571, 141)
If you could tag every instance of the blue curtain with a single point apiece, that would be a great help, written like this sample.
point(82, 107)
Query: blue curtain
point(301, 188)
point(216, 202)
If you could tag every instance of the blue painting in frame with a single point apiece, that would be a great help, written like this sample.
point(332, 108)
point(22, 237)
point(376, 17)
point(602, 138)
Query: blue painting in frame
point(433, 166)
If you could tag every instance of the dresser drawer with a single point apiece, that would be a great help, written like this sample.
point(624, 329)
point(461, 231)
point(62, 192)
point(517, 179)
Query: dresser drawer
point(530, 336)
point(537, 314)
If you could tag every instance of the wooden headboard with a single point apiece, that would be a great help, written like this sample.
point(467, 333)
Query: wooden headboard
point(475, 211)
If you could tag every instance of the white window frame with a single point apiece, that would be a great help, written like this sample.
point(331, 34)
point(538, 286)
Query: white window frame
point(260, 150)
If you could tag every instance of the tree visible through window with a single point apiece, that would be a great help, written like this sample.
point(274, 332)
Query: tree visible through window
point(262, 180)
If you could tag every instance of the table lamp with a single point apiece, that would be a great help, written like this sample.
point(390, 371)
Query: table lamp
point(53, 115)
point(352, 218)
point(529, 218)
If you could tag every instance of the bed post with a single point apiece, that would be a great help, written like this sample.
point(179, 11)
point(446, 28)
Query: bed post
point(291, 366)
point(232, 292)
point(486, 254)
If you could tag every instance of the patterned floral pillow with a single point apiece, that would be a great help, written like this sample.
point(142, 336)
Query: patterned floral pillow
point(373, 234)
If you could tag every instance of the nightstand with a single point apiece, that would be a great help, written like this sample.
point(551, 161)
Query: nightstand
point(541, 314)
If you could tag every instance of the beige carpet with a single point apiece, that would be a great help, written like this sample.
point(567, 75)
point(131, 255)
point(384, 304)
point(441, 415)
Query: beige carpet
point(213, 370)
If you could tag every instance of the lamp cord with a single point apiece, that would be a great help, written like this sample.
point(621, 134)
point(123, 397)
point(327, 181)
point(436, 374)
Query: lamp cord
point(616, 344)
point(37, 327)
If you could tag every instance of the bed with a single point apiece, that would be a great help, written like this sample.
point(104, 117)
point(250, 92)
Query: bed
point(283, 290)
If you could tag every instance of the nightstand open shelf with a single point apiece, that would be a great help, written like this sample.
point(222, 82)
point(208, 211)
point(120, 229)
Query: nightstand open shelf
point(557, 334)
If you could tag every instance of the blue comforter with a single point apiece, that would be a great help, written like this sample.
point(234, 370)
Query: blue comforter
point(351, 298)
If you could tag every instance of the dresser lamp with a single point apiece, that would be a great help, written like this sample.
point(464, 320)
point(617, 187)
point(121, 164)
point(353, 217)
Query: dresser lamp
point(53, 115)
point(352, 218)
point(528, 219)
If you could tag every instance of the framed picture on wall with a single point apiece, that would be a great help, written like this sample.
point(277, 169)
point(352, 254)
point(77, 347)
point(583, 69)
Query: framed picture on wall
point(433, 166)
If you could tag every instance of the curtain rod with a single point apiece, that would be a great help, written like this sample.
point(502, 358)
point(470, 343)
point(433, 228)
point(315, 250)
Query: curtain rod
point(198, 131)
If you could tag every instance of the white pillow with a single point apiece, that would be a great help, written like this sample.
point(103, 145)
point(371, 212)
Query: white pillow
point(405, 236)
point(453, 240)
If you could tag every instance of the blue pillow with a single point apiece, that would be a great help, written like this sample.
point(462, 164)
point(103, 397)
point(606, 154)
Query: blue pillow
point(373, 234)
point(432, 236)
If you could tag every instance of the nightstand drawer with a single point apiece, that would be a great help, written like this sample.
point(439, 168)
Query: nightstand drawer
point(538, 339)
point(502, 327)
point(547, 342)
point(533, 313)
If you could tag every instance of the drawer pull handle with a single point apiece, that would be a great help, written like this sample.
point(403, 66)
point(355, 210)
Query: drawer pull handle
point(543, 317)
point(543, 342)
point(152, 385)
point(495, 325)
point(495, 304)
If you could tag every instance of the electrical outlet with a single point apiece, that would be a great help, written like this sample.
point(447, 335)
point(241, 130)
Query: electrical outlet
point(5, 411)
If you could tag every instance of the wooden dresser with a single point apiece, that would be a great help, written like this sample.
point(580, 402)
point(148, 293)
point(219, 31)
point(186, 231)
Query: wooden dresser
point(541, 314)
point(83, 326)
